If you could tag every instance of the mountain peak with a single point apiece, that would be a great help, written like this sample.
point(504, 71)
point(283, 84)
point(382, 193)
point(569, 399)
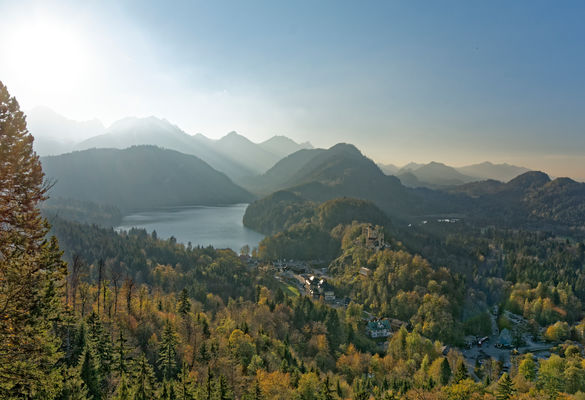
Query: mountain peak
point(234, 138)
point(345, 148)
point(436, 164)
point(530, 179)
point(141, 124)
point(283, 146)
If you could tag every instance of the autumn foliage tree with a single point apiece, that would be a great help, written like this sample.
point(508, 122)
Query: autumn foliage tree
point(31, 270)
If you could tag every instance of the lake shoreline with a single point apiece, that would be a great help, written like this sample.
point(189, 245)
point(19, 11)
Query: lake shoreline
point(219, 226)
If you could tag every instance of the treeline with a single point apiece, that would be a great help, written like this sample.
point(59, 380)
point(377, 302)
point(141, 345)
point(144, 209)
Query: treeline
point(141, 257)
point(81, 211)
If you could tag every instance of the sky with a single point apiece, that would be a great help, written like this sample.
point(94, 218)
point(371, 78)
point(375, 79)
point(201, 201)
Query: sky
point(457, 82)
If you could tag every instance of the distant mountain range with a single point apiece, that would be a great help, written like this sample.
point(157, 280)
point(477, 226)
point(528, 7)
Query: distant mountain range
point(437, 175)
point(195, 170)
point(233, 154)
point(139, 178)
point(342, 171)
point(54, 134)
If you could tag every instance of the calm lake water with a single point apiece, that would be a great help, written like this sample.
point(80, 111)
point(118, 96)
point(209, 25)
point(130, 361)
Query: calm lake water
point(220, 227)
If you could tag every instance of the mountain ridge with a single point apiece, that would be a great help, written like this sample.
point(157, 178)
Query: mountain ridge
point(140, 178)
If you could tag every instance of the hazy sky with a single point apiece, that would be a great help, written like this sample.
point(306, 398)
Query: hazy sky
point(457, 82)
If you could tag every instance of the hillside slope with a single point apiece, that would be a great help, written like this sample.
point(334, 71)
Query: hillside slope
point(341, 171)
point(140, 177)
point(532, 196)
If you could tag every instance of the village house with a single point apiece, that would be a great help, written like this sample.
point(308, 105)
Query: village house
point(379, 328)
point(319, 287)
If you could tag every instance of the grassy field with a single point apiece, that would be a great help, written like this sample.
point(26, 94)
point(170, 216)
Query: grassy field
point(289, 289)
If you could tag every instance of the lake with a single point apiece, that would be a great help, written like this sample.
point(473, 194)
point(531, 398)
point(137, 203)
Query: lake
point(220, 227)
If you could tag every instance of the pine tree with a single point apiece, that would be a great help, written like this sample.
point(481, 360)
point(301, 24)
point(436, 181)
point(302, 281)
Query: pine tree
point(123, 390)
point(257, 293)
point(361, 391)
point(334, 333)
point(184, 302)
point(168, 351)
point(208, 384)
point(89, 373)
point(223, 391)
point(205, 328)
point(28, 263)
point(184, 385)
point(79, 343)
point(203, 354)
point(505, 388)
point(100, 342)
point(144, 386)
point(257, 394)
point(461, 372)
point(120, 354)
point(325, 392)
point(444, 372)
point(73, 386)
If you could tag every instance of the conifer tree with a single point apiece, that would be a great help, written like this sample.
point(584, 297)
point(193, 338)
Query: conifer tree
point(28, 263)
point(123, 390)
point(461, 372)
point(444, 372)
point(184, 302)
point(325, 392)
point(223, 391)
point(144, 386)
point(100, 342)
point(74, 387)
point(184, 384)
point(505, 388)
point(121, 354)
point(257, 392)
point(168, 351)
point(89, 373)
point(208, 384)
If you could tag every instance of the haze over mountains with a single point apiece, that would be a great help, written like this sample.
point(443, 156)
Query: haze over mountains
point(236, 156)
point(438, 175)
point(233, 154)
point(54, 134)
point(140, 178)
point(122, 167)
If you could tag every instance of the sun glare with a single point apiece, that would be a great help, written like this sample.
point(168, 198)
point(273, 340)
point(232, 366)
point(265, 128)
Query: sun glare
point(48, 56)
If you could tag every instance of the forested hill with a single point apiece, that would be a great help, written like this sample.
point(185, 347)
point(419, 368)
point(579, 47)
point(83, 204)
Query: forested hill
point(140, 177)
point(341, 171)
point(283, 209)
point(532, 196)
point(305, 230)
